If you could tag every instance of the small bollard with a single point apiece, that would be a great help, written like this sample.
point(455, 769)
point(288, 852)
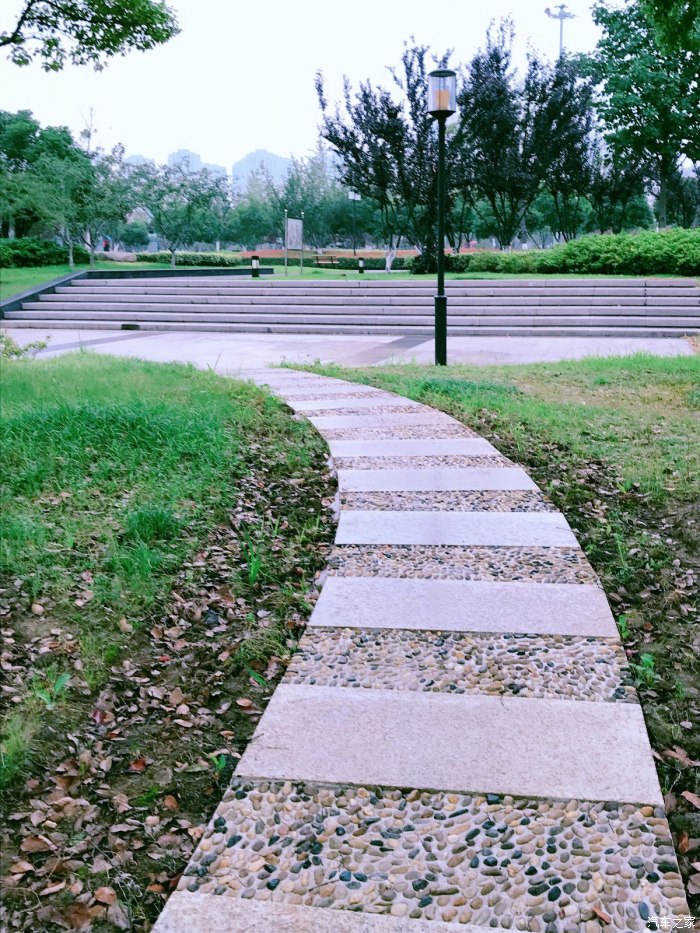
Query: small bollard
point(361, 266)
point(255, 266)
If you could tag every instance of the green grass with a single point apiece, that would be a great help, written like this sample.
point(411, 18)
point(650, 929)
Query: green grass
point(113, 472)
point(639, 414)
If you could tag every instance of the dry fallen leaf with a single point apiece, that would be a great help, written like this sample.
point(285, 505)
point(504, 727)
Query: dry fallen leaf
point(36, 844)
point(170, 803)
point(53, 889)
point(106, 895)
point(138, 765)
point(116, 915)
point(19, 868)
point(692, 798)
point(37, 609)
point(244, 702)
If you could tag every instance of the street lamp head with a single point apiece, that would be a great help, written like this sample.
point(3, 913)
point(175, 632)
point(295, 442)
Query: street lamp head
point(442, 92)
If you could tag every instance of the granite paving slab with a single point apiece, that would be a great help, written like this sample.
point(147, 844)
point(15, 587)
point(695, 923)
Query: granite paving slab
point(204, 913)
point(501, 744)
point(434, 480)
point(543, 529)
point(471, 606)
point(427, 447)
point(420, 418)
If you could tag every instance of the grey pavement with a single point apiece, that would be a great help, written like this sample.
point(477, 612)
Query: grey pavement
point(234, 353)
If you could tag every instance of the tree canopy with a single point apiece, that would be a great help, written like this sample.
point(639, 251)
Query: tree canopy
point(85, 31)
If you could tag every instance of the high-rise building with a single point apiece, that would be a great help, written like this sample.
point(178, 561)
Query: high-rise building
point(193, 159)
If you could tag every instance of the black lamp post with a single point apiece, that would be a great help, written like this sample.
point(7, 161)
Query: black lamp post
point(442, 103)
point(255, 266)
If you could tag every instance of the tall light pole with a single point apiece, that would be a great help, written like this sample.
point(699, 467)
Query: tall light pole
point(561, 16)
point(442, 103)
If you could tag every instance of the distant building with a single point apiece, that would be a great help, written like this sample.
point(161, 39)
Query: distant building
point(193, 159)
point(137, 159)
point(217, 170)
point(276, 166)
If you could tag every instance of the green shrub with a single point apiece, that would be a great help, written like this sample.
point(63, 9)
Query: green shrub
point(194, 259)
point(672, 252)
point(349, 263)
point(23, 252)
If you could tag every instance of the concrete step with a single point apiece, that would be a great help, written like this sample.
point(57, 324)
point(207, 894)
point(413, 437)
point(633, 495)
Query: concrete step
point(95, 299)
point(598, 329)
point(350, 323)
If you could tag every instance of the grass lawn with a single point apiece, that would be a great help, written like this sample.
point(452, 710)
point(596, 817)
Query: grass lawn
point(615, 443)
point(161, 529)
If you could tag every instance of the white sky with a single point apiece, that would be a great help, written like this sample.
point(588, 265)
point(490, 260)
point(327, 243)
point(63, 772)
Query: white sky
point(240, 76)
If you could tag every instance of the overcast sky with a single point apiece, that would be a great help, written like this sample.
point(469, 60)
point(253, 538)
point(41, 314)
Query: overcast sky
point(240, 76)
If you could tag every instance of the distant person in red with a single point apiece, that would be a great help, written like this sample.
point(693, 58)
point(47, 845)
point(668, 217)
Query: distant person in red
point(105, 245)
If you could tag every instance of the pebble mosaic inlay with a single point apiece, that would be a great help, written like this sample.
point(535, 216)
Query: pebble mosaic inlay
point(379, 410)
point(448, 562)
point(554, 666)
point(477, 501)
point(450, 461)
point(399, 432)
point(536, 865)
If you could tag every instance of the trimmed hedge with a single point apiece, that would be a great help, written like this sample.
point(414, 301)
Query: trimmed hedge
point(194, 259)
point(672, 252)
point(22, 252)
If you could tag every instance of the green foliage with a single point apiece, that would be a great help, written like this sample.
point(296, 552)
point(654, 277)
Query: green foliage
point(184, 204)
point(675, 22)
point(30, 251)
point(50, 687)
point(194, 259)
point(133, 235)
point(671, 252)
point(11, 350)
point(85, 31)
point(650, 97)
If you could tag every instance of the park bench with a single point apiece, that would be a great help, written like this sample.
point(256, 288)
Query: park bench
point(327, 261)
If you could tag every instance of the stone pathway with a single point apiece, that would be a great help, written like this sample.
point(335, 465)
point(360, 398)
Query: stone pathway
point(456, 744)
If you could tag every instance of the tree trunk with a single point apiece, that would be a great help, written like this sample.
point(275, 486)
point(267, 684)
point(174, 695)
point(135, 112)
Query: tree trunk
point(71, 258)
point(662, 201)
point(172, 258)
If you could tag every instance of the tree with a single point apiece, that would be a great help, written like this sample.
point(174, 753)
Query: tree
point(387, 152)
point(568, 122)
point(85, 31)
point(675, 22)
point(133, 235)
point(649, 98)
point(253, 218)
point(616, 190)
point(512, 133)
point(23, 143)
point(180, 201)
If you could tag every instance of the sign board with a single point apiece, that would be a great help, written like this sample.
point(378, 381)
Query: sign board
point(295, 234)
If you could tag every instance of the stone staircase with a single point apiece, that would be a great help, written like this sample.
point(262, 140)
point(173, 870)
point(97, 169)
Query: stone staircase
point(457, 744)
point(485, 307)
